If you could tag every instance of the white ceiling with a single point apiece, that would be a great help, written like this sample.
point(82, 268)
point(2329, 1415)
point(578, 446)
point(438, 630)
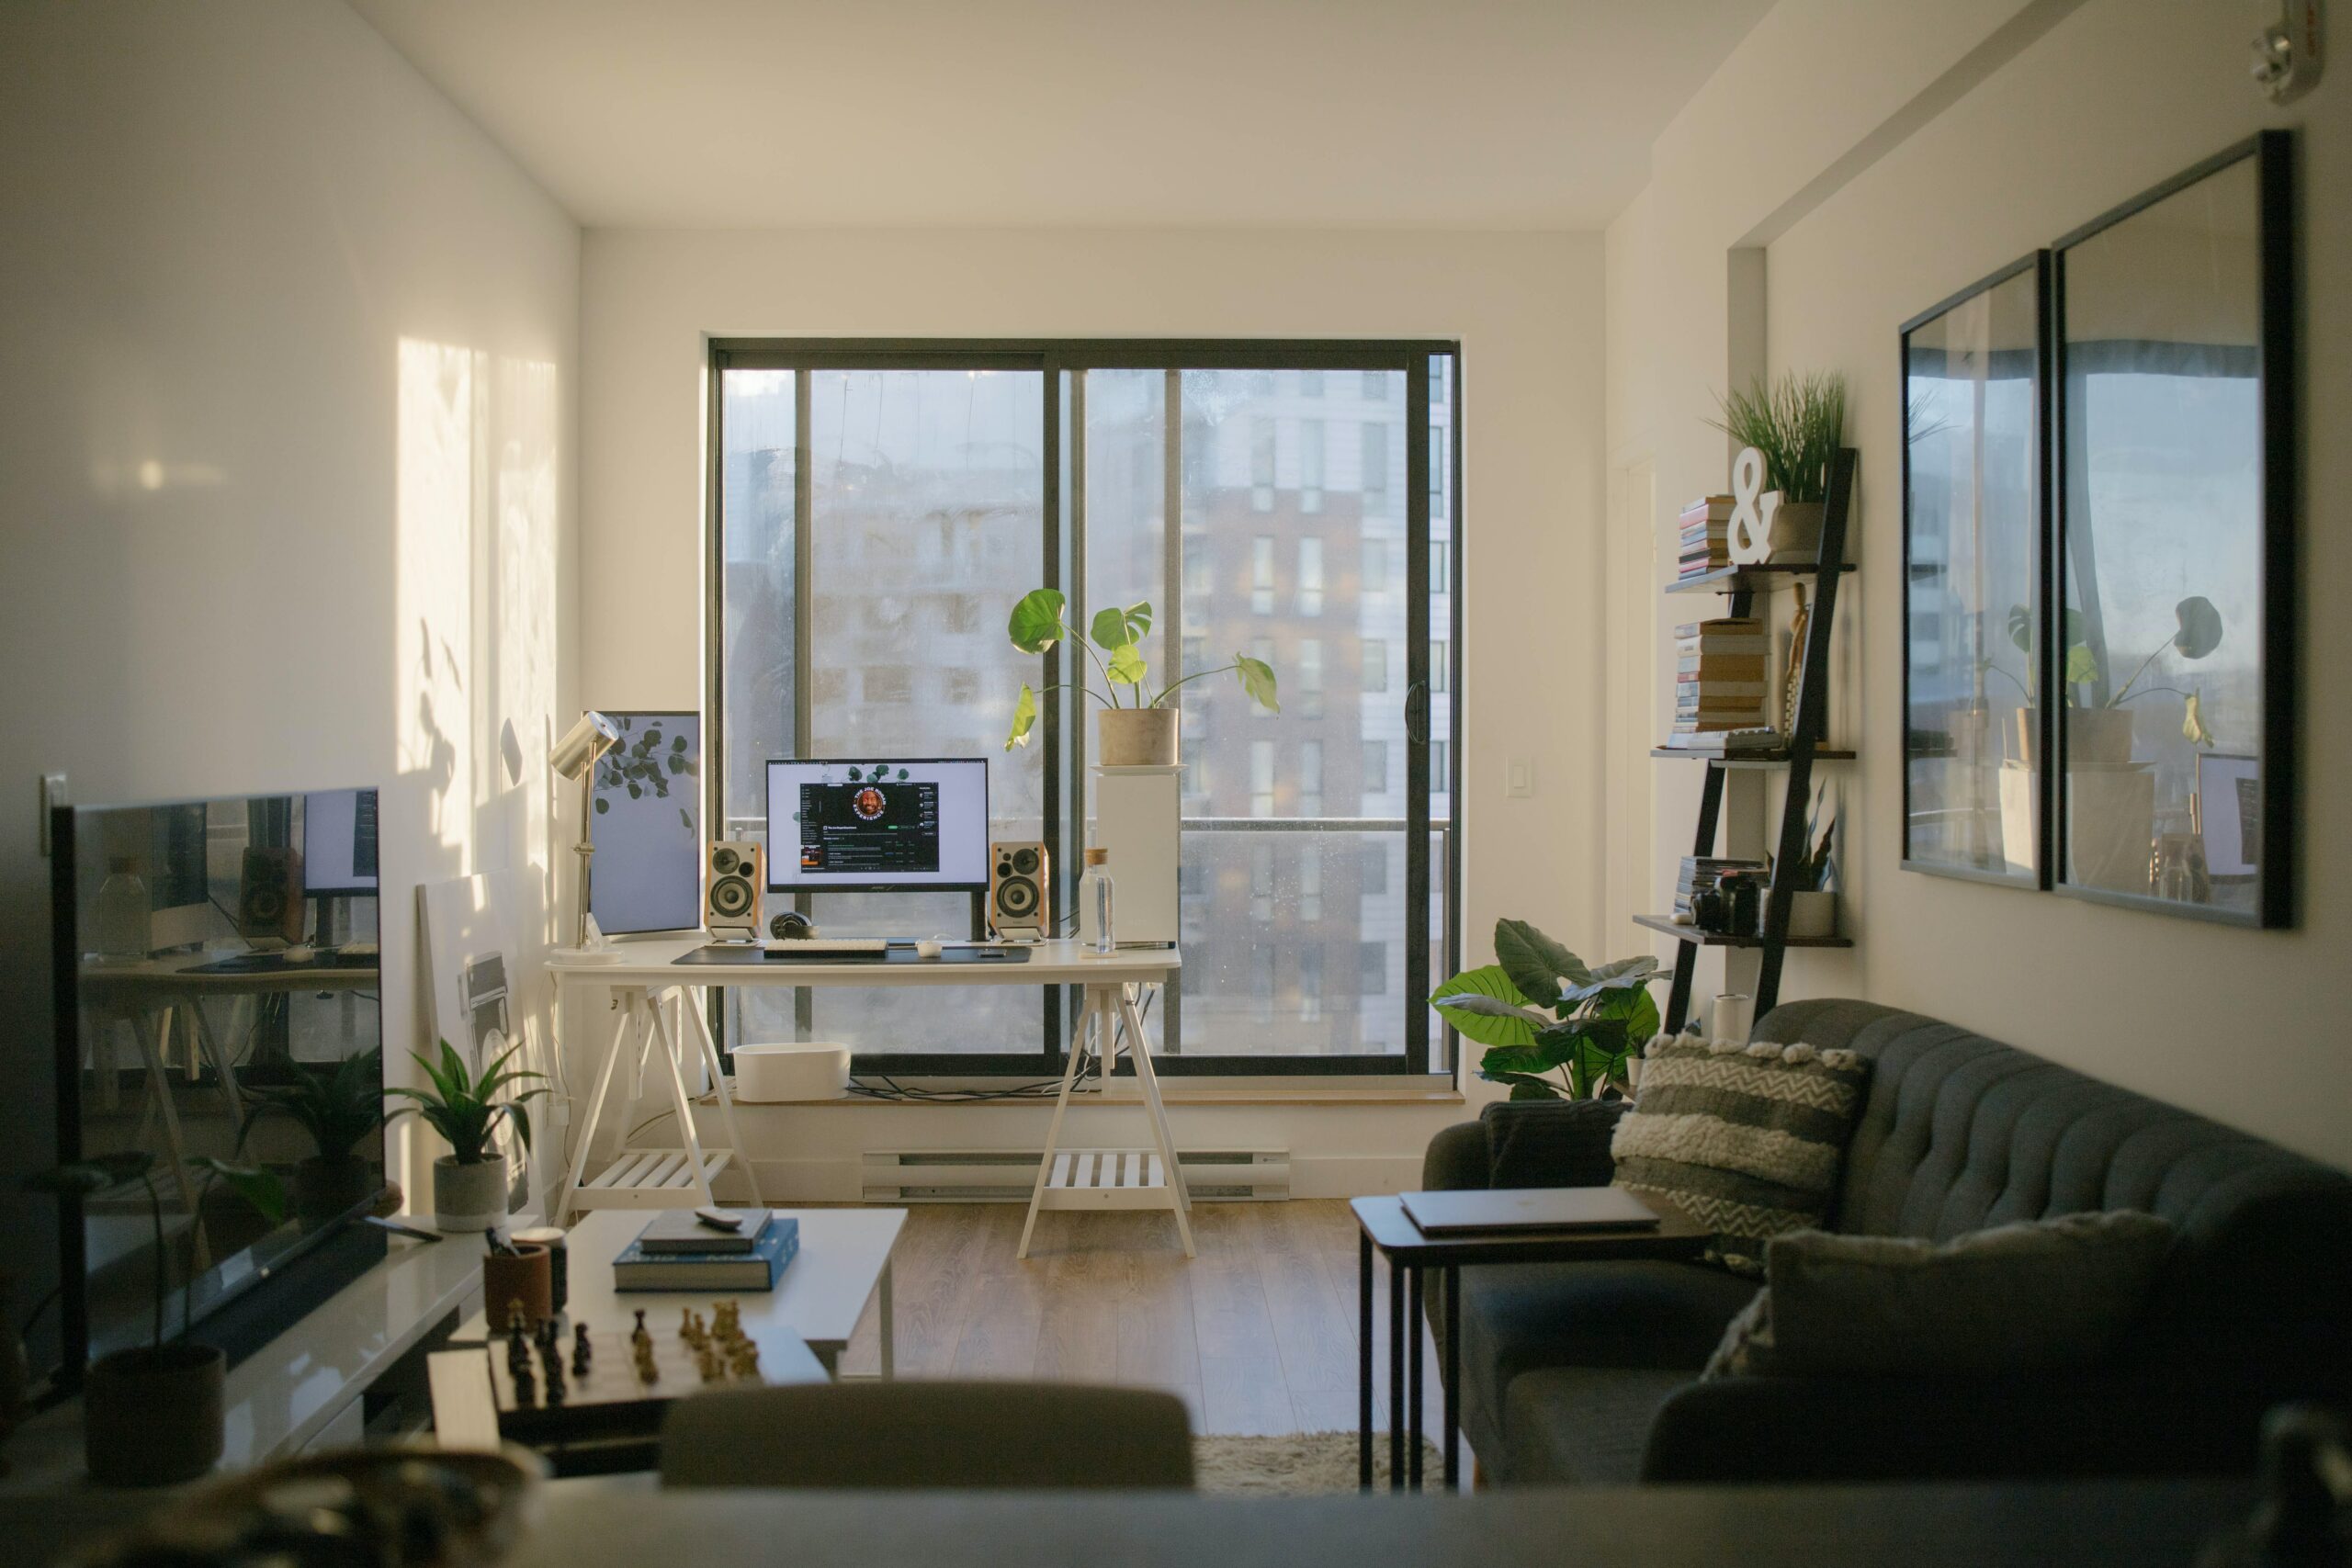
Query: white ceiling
point(1512, 114)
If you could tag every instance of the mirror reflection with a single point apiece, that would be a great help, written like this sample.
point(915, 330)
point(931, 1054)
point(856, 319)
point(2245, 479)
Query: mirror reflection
point(1972, 744)
point(2162, 549)
point(227, 1009)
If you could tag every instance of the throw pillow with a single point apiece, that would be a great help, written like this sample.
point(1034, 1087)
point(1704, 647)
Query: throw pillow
point(1745, 1139)
point(2028, 1297)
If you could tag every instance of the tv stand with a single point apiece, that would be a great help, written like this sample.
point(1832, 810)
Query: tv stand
point(302, 1389)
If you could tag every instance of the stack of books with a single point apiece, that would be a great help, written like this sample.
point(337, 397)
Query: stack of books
point(1706, 536)
point(1719, 676)
point(678, 1252)
point(1700, 875)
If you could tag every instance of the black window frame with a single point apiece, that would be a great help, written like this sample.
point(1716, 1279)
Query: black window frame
point(1430, 1048)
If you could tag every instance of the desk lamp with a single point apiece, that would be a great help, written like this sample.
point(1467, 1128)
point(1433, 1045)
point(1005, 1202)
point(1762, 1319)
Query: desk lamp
point(575, 757)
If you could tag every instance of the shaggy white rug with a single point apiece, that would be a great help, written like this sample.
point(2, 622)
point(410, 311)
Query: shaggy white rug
point(1301, 1464)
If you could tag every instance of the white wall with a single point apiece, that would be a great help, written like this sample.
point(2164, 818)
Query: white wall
point(287, 423)
point(1971, 134)
point(1526, 308)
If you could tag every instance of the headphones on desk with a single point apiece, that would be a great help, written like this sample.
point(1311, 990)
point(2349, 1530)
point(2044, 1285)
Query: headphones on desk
point(792, 926)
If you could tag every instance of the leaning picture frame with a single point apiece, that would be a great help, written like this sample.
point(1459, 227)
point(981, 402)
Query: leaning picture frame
point(1974, 372)
point(2173, 545)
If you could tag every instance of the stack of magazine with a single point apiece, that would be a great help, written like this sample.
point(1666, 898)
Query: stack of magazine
point(679, 1252)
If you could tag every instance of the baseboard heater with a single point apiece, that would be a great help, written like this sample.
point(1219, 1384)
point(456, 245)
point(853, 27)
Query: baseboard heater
point(1008, 1175)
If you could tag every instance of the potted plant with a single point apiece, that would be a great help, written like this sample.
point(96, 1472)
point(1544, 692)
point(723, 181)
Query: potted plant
point(2099, 734)
point(1142, 733)
point(337, 1108)
point(470, 1181)
point(152, 1414)
point(1797, 423)
point(1539, 1011)
point(1813, 906)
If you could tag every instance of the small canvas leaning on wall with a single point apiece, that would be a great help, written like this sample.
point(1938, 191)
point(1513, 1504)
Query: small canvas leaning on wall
point(2175, 383)
point(649, 838)
point(1974, 487)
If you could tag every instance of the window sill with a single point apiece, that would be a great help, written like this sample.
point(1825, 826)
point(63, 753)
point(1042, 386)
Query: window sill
point(1173, 1091)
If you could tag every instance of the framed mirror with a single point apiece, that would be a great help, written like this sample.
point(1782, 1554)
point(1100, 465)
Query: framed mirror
point(2174, 383)
point(1974, 734)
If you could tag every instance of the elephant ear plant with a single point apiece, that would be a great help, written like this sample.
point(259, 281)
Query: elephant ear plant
point(1037, 624)
point(1540, 1011)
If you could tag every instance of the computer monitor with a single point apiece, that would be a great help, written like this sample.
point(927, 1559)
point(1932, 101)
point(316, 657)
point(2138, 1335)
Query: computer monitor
point(339, 841)
point(879, 824)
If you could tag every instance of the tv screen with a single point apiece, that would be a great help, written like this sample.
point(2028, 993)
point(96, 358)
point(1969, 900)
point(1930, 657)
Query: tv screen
point(203, 1011)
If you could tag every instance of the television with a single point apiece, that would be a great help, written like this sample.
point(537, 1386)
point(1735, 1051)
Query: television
point(194, 994)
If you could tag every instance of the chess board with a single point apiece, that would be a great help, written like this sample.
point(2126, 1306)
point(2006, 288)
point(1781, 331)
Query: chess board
point(611, 1399)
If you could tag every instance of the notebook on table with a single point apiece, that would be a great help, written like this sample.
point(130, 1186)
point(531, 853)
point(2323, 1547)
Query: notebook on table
point(1474, 1212)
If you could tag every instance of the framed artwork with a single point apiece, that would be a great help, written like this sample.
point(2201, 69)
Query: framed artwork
point(647, 801)
point(2174, 420)
point(1975, 733)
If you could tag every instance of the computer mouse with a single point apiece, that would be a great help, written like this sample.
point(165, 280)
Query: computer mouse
point(299, 953)
point(927, 950)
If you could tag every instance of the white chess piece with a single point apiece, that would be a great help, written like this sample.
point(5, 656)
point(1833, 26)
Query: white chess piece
point(1752, 511)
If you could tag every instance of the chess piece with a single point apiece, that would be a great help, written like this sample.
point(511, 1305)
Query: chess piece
point(707, 1362)
point(580, 1350)
point(647, 1373)
point(526, 1388)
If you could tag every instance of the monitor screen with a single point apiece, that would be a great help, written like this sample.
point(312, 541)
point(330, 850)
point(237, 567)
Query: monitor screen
point(879, 824)
point(647, 801)
point(339, 841)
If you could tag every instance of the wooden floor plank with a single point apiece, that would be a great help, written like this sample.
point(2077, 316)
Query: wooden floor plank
point(1007, 1309)
point(1241, 1371)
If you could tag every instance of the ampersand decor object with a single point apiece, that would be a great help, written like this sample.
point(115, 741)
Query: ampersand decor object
point(1751, 509)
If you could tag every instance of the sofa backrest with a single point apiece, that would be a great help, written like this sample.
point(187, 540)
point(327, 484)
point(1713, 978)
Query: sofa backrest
point(1959, 1133)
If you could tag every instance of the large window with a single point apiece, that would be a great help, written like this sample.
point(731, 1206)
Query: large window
point(881, 507)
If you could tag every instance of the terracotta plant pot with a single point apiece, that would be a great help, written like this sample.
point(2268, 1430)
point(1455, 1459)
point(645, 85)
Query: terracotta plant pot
point(468, 1197)
point(529, 1277)
point(1136, 737)
point(151, 1418)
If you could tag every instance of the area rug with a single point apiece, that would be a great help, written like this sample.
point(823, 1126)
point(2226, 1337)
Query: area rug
point(1300, 1464)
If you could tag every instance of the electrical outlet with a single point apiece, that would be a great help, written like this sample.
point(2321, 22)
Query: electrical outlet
point(54, 794)
point(1518, 777)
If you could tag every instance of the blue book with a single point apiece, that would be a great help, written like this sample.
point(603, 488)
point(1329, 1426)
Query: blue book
point(771, 1255)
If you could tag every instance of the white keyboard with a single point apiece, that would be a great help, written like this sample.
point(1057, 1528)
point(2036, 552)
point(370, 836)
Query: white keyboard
point(834, 945)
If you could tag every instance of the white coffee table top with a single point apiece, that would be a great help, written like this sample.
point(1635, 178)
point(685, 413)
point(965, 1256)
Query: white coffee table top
point(818, 1298)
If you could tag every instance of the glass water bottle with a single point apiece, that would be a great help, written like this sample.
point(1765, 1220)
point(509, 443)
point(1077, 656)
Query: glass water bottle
point(120, 913)
point(1094, 903)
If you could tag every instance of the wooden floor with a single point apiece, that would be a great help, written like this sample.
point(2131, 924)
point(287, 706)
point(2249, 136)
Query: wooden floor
point(1257, 1334)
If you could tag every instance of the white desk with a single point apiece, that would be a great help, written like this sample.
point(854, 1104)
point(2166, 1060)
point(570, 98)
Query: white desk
point(845, 1262)
point(648, 978)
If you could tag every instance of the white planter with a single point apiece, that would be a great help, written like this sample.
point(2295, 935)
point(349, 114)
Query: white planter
point(1796, 533)
point(1813, 914)
point(468, 1197)
point(1136, 737)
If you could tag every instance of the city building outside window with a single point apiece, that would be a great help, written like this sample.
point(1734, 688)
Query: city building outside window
point(1261, 575)
point(1309, 676)
point(1310, 577)
point(1310, 464)
point(1262, 778)
point(1376, 665)
point(1310, 778)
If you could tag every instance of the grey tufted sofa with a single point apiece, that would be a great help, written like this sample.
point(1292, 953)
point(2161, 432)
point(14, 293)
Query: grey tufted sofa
point(1588, 1373)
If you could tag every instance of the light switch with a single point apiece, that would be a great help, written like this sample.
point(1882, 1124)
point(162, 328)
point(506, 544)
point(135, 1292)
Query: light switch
point(1518, 777)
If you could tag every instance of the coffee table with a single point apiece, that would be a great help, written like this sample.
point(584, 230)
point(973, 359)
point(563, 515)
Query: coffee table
point(845, 1262)
point(1387, 1229)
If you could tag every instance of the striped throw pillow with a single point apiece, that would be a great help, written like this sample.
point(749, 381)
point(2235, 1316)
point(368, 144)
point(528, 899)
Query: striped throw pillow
point(1745, 1139)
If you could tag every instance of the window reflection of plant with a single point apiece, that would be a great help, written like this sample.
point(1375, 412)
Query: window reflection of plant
point(2198, 634)
point(646, 768)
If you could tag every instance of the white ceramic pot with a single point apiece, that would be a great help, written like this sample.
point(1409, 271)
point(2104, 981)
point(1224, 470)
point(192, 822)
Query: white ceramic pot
point(2097, 739)
point(468, 1197)
point(1136, 737)
point(1796, 532)
point(1813, 914)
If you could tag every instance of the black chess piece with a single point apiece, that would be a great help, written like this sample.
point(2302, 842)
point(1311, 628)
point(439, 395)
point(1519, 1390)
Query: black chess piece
point(580, 1351)
point(527, 1393)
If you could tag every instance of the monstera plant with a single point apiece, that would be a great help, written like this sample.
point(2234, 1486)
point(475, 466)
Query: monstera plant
point(1554, 1028)
point(2198, 632)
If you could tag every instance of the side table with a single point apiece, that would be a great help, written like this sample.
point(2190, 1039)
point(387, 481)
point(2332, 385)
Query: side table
point(1387, 1229)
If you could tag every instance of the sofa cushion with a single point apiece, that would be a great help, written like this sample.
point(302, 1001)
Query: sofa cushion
point(1519, 1317)
point(1745, 1139)
point(2014, 1299)
point(1582, 1425)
